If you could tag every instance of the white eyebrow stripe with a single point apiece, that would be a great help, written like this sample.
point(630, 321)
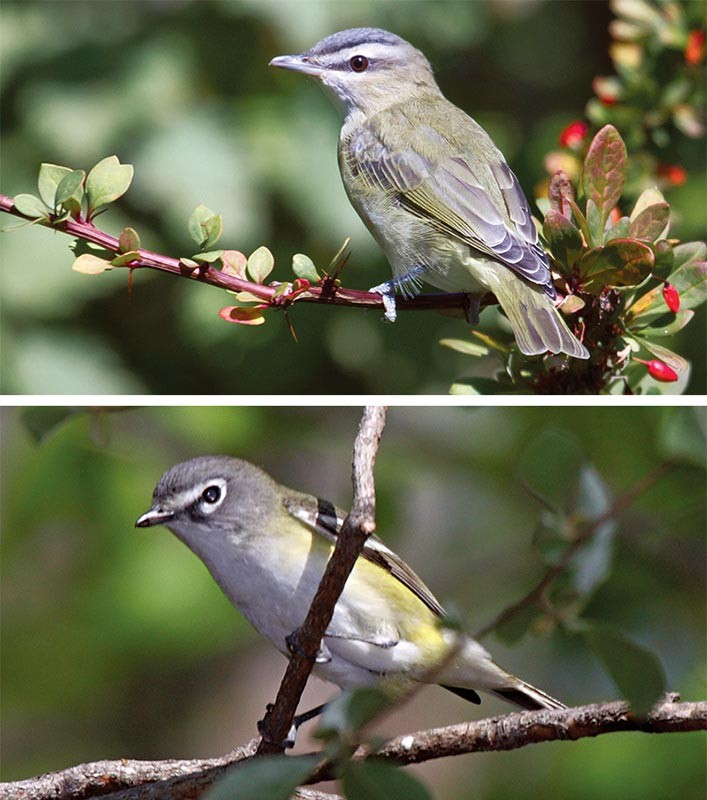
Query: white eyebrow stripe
point(189, 496)
point(372, 50)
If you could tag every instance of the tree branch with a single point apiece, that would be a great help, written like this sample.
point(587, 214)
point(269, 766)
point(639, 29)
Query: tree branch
point(582, 536)
point(358, 526)
point(326, 293)
point(184, 780)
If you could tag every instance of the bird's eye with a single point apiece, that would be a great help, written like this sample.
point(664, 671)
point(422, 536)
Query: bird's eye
point(359, 63)
point(212, 494)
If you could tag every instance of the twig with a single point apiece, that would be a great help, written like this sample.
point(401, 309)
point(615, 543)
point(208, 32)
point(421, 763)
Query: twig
point(621, 503)
point(326, 294)
point(179, 780)
point(358, 526)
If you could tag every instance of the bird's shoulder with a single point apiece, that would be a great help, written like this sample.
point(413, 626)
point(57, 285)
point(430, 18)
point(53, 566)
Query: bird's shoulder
point(324, 519)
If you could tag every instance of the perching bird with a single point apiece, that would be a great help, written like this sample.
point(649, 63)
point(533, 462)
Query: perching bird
point(431, 186)
point(267, 546)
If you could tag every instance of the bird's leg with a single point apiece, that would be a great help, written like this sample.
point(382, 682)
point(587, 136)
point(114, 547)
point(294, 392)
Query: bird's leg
point(408, 283)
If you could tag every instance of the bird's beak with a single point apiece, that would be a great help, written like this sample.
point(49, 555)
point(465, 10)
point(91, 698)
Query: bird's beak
point(154, 516)
point(299, 63)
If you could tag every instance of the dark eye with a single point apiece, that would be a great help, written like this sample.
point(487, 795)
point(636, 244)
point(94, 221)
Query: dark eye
point(359, 63)
point(212, 494)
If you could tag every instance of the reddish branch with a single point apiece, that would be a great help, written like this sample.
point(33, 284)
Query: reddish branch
point(327, 292)
point(184, 780)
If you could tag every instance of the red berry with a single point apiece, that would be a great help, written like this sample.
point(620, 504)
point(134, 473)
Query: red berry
point(574, 134)
point(695, 47)
point(671, 297)
point(661, 371)
point(673, 173)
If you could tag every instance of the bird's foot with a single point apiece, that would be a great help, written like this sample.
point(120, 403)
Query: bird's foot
point(408, 283)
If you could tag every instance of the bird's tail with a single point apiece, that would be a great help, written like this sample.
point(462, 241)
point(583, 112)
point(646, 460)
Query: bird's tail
point(526, 696)
point(538, 326)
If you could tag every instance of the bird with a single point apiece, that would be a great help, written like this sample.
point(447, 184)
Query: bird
point(432, 187)
point(267, 546)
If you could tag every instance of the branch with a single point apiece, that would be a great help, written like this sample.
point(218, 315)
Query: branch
point(327, 293)
point(181, 780)
point(582, 536)
point(358, 526)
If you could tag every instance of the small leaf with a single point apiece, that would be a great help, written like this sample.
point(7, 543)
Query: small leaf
point(209, 257)
point(41, 421)
point(591, 564)
point(90, 265)
point(233, 264)
point(106, 182)
point(595, 224)
point(69, 192)
point(621, 262)
point(651, 224)
point(260, 264)
point(243, 316)
point(248, 297)
point(673, 360)
point(605, 170)
point(197, 224)
point(128, 240)
point(346, 714)
point(564, 239)
point(572, 304)
point(303, 267)
point(465, 347)
point(689, 253)
point(188, 264)
point(268, 778)
point(50, 176)
point(479, 386)
point(619, 230)
point(212, 229)
point(681, 435)
point(672, 325)
point(637, 672)
point(379, 780)
point(125, 258)
point(560, 192)
point(30, 206)
point(648, 197)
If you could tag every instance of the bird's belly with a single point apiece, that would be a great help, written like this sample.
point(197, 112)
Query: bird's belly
point(409, 242)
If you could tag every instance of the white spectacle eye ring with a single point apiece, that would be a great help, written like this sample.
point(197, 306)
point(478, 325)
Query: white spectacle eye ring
point(212, 494)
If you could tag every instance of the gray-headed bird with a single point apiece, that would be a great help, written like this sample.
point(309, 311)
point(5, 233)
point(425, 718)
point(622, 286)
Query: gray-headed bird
point(431, 186)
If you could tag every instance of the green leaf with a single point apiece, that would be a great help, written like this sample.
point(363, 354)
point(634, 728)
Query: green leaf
point(69, 192)
point(690, 280)
point(513, 629)
point(379, 780)
point(80, 246)
point(128, 240)
point(621, 262)
point(564, 239)
point(209, 257)
point(30, 206)
point(651, 223)
point(681, 435)
point(90, 265)
point(260, 264)
point(605, 170)
point(125, 258)
point(267, 778)
point(591, 564)
point(649, 197)
point(619, 230)
point(465, 347)
point(689, 253)
point(637, 673)
point(106, 182)
point(198, 221)
point(213, 227)
point(243, 316)
point(479, 386)
point(303, 267)
point(346, 714)
point(550, 466)
point(41, 421)
point(595, 224)
point(50, 176)
point(672, 324)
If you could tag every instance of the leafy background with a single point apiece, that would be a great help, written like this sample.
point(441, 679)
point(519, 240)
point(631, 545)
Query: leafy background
point(183, 92)
point(116, 642)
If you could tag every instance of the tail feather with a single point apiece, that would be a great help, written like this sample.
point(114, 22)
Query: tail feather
point(538, 326)
point(526, 696)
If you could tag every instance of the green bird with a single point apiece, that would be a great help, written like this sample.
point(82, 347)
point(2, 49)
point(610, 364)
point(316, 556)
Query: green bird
point(267, 547)
point(431, 186)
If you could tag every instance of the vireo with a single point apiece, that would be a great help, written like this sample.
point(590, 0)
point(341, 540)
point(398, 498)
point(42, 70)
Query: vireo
point(267, 546)
point(431, 186)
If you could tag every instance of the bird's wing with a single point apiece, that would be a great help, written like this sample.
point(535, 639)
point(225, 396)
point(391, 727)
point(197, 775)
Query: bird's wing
point(476, 200)
point(326, 520)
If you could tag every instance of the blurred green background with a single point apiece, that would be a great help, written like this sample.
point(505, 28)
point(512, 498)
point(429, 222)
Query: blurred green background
point(117, 643)
point(182, 91)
